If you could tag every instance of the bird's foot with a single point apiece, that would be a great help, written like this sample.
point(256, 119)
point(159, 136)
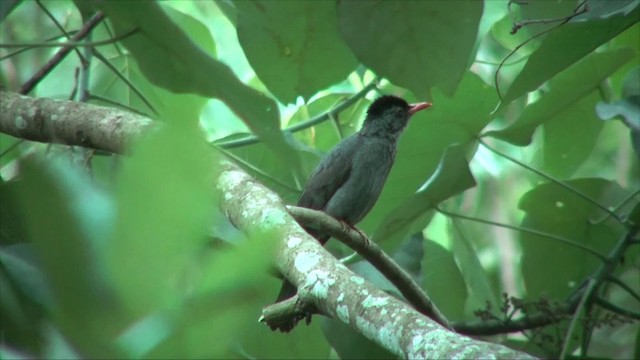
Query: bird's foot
point(364, 237)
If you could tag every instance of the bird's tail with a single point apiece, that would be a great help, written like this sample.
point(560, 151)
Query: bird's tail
point(287, 290)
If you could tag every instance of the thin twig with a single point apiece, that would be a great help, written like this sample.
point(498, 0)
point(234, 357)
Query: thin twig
point(249, 140)
point(60, 55)
point(58, 25)
point(624, 286)
point(525, 230)
point(75, 43)
point(554, 180)
point(617, 309)
point(579, 10)
point(495, 77)
point(128, 82)
point(591, 285)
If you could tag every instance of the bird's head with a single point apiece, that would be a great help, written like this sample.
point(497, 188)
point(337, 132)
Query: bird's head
point(388, 115)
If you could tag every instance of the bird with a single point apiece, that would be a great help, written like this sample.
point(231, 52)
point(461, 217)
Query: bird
point(347, 183)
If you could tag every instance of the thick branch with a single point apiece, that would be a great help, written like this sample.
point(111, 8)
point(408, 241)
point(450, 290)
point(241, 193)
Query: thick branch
point(69, 122)
point(374, 255)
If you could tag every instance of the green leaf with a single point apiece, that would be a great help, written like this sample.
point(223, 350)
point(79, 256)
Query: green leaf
point(554, 55)
point(570, 136)
point(349, 344)
point(165, 204)
point(443, 281)
point(565, 89)
point(476, 278)
point(295, 49)
point(550, 208)
point(169, 59)
point(450, 178)
point(629, 107)
point(169, 106)
point(69, 221)
point(415, 44)
point(24, 268)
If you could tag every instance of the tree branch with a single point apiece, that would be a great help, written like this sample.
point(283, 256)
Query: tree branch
point(69, 122)
point(254, 209)
point(374, 255)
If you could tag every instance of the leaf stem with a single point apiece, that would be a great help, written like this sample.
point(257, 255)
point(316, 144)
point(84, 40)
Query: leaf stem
point(249, 140)
point(525, 230)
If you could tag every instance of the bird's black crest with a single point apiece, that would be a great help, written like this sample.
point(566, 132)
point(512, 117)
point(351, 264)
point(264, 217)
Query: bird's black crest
point(385, 102)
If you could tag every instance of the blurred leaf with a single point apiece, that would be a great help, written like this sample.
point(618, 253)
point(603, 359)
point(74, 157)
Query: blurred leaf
point(554, 55)
point(26, 271)
point(449, 121)
point(68, 222)
point(634, 215)
point(165, 204)
point(501, 32)
point(169, 106)
point(570, 136)
point(57, 346)
point(450, 178)
point(631, 84)
point(6, 7)
point(416, 44)
point(13, 354)
point(476, 278)
point(306, 342)
point(169, 59)
point(443, 281)
point(12, 220)
point(552, 209)
point(349, 344)
point(323, 137)
point(565, 89)
point(294, 47)
point(629, 107)
point(603, 9)
point(196, 30)
point(409, 256)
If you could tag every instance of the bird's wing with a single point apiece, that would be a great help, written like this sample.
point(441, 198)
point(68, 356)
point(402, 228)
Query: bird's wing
point(332, 172)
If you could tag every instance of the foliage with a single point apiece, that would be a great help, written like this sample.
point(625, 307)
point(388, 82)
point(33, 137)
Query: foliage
point(520, 180)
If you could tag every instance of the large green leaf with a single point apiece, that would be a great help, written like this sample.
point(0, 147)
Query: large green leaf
point(415, 44)
point(165, 203)
point(565, 89)
point(553, 268)
point(570, 136)
point(450, 178)
point(477, 280)
point(69, 221)
point(443, 281)
point(554, 55)
point(294, 47)
point(169, 59)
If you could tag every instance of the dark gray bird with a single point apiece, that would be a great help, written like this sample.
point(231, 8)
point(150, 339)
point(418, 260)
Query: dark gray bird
point(347, 183)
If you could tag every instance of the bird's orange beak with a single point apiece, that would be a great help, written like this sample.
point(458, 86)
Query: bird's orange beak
point(414, 108)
